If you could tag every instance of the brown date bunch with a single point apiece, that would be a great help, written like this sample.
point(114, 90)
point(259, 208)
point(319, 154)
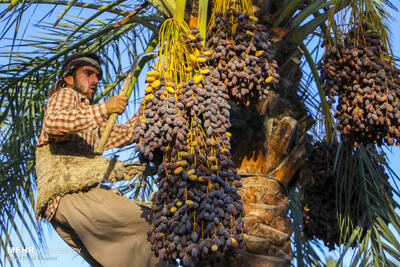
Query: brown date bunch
point(319, 202)
point(321, 193)
point(366, 86)
point(241, 57)
point(197, 211)
point(198, 215)
point(160, 118)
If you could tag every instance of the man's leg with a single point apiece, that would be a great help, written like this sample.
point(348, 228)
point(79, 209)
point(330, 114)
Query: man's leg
point(111, 227)
point(70, 237)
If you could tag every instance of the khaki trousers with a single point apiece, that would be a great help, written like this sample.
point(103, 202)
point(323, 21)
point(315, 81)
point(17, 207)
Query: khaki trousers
point(105, 228)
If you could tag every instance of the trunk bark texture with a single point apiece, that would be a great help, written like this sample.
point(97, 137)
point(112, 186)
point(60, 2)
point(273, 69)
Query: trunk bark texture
point(269, 146)
point(267, 159)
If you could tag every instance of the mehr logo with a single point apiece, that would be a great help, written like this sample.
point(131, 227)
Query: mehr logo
point(33, 250)
point(32, 253)
point(21, 250)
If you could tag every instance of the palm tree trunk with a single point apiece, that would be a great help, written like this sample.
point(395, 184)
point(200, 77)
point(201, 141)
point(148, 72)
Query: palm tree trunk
point(268, 148)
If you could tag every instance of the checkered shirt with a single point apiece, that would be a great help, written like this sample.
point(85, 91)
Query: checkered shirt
point(70, 117)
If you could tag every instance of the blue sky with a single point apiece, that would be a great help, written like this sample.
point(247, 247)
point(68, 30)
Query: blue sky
point(59, 252)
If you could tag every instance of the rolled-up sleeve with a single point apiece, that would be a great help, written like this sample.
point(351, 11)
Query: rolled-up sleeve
point(122, 134)
point(64, 115)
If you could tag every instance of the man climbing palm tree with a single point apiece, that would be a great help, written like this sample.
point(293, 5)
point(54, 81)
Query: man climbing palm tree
point(104, 227)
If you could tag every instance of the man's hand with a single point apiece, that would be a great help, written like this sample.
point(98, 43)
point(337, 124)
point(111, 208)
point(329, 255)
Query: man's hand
point(116, 104)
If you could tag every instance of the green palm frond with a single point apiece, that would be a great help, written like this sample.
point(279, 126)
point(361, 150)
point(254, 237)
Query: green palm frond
point(324, 107)
point(371, 219)
point(25, 81)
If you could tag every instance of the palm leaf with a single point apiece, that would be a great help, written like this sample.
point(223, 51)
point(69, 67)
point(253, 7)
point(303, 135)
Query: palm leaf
point(376, 207)
point(25, 82)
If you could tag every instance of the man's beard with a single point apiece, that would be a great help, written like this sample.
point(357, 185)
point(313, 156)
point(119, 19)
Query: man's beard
point(78, 90)
point(88, 95)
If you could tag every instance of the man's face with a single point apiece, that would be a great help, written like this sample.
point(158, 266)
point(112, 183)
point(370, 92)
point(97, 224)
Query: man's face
point(85, 80)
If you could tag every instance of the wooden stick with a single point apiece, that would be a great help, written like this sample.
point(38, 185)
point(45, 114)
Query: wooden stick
point(124, 90)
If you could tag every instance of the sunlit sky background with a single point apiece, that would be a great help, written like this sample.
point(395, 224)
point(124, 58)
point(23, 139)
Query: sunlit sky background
point(67, 258)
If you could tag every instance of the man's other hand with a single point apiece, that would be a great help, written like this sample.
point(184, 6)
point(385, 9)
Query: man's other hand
point(116, 104)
